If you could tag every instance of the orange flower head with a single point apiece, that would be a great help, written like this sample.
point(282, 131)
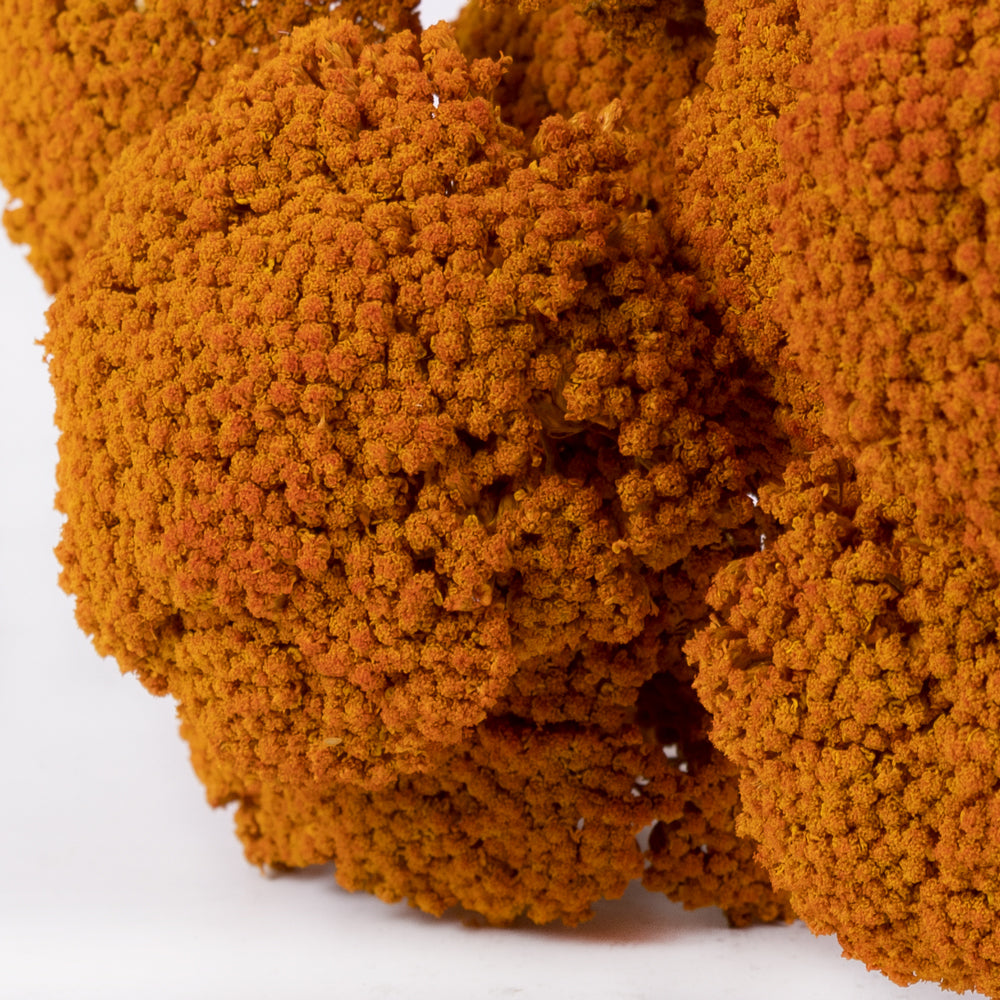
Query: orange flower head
point(385, 431)
point(854, 678)
point(82, 80)
point(889, 235)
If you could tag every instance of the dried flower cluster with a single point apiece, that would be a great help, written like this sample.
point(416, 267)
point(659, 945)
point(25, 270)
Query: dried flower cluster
point(856, 684)
point(889, 226)
point(82, 80)
point(412, 387)
point(386, 436)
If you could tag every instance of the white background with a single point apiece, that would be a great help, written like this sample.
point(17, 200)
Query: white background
point(118, 881)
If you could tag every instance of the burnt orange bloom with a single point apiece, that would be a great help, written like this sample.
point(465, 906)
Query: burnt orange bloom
point(82, 80)
point(889, 229)
point(625, 21)
point(854, 678)
point(703, 95)
point(413, 387)
point(385, 429)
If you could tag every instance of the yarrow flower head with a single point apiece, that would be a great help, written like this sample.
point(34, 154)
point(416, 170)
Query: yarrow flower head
point(503, 439)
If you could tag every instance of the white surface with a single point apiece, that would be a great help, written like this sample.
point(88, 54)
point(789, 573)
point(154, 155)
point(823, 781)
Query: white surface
point(118, 881)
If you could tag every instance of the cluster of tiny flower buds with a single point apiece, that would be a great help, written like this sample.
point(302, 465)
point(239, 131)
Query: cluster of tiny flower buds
point(504, 437)
point(391, 439)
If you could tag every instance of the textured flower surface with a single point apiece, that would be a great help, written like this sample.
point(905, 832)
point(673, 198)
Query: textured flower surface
point(416, 390)
point(890, 230)
point(385, 436)
point(854, 678)
point(82, 80)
